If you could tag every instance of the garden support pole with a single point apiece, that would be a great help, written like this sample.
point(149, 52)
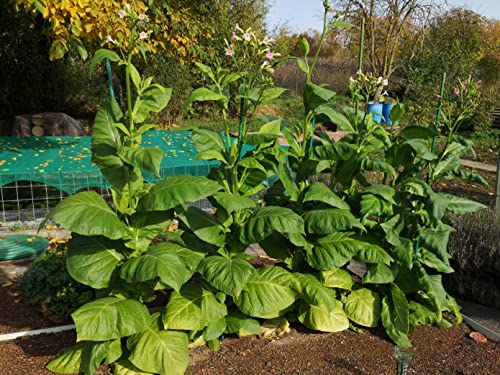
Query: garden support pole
point(438, 111)
point(110, 78)
point(497, 186)
point(361, 44)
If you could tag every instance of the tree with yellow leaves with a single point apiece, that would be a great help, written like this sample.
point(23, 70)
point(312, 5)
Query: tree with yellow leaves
point(84, 25)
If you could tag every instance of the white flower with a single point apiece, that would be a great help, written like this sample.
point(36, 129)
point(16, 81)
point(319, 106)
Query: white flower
point(121, 13)
point(127, 6)
point(109, 39)
point(385, 82)
point(143, 35)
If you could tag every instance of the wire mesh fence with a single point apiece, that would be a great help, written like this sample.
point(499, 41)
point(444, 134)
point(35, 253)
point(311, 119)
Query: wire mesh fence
point(29, 202)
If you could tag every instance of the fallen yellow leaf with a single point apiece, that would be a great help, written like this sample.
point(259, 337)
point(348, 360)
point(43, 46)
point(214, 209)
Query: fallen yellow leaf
point(7, 283)
point(50, 227)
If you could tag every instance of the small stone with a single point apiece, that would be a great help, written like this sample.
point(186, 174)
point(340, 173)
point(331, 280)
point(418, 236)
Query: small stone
point(478, 337)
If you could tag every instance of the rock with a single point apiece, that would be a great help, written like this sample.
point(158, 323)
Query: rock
point(48, 124)
point(478, 337)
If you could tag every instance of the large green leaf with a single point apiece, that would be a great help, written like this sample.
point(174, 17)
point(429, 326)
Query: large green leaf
point(319, 192)
point(158, 351)
point(69, 360)
point(315, 293)
point(460, 206)
point(267, 293)
point(86, 357)
point(370, 253)
point(438, 204)
point(333, 251)
point(154, 99)
point(204, 94)
point(335, 117)
point(88, 214)
point(172, 264)
point(145, 226)
point(105, 137)
point(431, 260)
point(403, 253)
point(421, 149)
point(227, 275)
point(392, 229)
point(214, 330)
point(271, 93)
point(371, 205)
point(422, 315)
point(329, 220)
point(414, 131)
point(395, 316)
point(232, 203)
point(102, 54)
point(272, 127)
point(110, 318)
point(337, 151)
point(148, 159)
point(315, 95)
point(379, 273)
point(173, 191)
point(192, 308)
point(242, 325)
point(268, 220)
point(363, 307)
point(92, 260)
point(323, 319)
point(337, 278)
point(124, 367)
point(206, 139)
point(445, 167)
point(204, 226)
point(436, 239)
point(277, 246)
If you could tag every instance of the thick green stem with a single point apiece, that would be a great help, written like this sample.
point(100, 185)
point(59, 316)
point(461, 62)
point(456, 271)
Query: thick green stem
point(321, 42)
point(129, 93)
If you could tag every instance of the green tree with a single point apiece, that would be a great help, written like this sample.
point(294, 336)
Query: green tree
point(456, 43)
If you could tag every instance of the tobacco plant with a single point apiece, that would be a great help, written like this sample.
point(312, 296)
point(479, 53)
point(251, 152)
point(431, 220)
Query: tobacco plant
point(365, 247)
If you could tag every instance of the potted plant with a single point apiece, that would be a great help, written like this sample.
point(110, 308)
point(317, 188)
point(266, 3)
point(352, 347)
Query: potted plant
point(370, 89)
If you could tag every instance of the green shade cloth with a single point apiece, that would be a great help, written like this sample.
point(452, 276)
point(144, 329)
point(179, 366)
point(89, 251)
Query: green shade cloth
point(66, 162)
point(18, 246)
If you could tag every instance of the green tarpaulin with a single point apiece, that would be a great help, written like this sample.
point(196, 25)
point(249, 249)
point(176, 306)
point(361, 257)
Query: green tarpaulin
point(66, 162)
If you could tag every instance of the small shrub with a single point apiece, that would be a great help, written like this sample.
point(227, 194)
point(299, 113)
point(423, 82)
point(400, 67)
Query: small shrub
point(475, 251)
point(475, 246)
point(48, 283)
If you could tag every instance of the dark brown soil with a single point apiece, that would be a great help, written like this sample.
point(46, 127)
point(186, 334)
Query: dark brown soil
point(436, 351)
point(479, 193)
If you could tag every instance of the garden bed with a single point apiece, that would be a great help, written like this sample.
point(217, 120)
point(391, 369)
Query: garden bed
point(436, 351)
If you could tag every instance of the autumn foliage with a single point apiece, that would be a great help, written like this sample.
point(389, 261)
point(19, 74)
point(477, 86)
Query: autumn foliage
point(84, 25)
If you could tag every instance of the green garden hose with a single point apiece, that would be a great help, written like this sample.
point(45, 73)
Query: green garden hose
point(22, 246)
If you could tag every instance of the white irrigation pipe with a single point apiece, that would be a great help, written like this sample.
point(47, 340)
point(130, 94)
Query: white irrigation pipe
point(15, 335)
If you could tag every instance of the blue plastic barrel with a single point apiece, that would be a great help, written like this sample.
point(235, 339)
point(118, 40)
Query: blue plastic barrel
point(376, 109)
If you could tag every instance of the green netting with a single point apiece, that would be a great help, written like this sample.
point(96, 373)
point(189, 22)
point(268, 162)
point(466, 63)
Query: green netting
point(66, 162)
point(18, 246)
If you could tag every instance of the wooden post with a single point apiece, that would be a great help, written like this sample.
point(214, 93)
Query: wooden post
point(361, 44)
point(497, 186)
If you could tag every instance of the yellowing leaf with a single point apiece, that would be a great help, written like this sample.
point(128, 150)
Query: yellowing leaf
point(7, 283)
